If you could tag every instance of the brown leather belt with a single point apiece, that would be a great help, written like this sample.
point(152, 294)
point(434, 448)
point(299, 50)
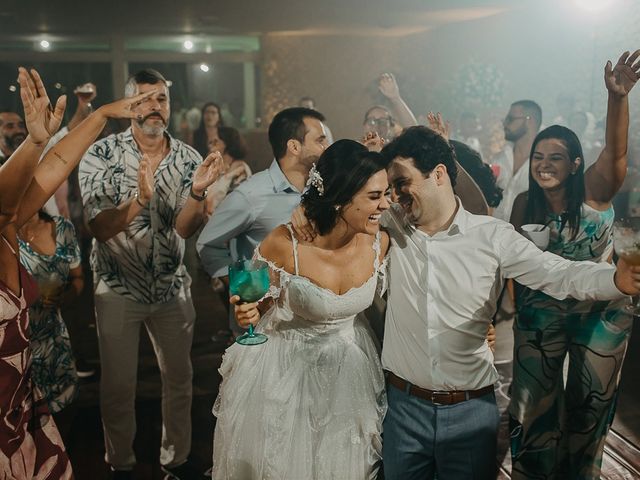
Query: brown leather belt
point(436, 397)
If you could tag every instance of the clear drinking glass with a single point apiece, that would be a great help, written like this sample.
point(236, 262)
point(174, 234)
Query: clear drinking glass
point(626, 242)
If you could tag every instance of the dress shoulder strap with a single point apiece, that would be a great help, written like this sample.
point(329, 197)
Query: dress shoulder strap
point(295, 248)
point(8, 245)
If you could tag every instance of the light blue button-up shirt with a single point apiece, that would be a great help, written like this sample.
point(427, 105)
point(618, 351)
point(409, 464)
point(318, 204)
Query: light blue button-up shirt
point(245, 217)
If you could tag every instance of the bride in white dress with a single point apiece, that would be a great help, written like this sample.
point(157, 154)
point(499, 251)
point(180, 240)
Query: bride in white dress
point(309, 403)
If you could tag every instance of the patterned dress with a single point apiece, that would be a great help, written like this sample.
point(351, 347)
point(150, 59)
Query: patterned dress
point(30, 444)
point(559, 431)
point(53, 367)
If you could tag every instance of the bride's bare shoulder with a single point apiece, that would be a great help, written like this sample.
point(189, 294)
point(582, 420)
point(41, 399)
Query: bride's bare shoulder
point(277, 246)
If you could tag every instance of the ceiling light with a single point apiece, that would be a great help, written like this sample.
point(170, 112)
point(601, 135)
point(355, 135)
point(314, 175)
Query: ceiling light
point(188, 45)
point(45, 44)
point(12, 88)
point(204, 67)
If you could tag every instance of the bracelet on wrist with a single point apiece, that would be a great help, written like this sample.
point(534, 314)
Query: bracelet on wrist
point(199, 198)
point(136, 195)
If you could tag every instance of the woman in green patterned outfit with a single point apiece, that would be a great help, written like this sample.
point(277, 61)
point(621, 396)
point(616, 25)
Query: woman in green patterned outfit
point(50, 252)
point(559, 431)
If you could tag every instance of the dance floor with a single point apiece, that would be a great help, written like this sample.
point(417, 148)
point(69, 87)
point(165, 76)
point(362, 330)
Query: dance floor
point(83, 432)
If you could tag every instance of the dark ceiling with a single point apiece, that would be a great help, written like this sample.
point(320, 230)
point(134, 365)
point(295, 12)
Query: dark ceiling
point(175, 17)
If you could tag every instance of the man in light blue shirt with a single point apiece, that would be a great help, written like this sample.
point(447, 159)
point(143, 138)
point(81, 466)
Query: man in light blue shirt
point(298, 137)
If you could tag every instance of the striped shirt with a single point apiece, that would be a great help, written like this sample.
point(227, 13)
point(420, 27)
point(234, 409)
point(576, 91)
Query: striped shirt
point(144, 261)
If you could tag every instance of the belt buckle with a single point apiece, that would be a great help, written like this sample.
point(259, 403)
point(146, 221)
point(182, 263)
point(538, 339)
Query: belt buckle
point(434, 395)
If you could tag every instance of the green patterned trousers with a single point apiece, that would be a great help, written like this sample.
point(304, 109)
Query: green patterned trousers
point(559, 432)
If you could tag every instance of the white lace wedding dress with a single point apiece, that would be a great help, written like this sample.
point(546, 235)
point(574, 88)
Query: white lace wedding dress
point(308, 404)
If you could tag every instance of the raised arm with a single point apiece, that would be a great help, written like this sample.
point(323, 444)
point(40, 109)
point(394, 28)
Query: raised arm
point(42, 122)
point(389, 88)
point(605, 177)
point(84, 108)
point(58, 163)
point(466, 188)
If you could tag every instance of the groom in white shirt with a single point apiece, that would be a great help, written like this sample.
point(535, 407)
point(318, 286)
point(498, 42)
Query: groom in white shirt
point(447, 269)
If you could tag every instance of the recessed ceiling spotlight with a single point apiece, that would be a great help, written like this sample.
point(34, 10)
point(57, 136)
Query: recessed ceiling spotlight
point(44, 44)
point(204, 67)
point(12, 88)
point(188, 45)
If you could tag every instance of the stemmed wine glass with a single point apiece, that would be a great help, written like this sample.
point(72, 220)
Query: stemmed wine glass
point(626, 242)
point(249, 279)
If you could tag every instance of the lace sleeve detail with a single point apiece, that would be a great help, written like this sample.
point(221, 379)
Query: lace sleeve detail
point(376, 248)
point(383, 275)
point(279, 277)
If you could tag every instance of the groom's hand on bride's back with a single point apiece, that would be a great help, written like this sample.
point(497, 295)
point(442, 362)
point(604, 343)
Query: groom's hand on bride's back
point(302, 227)
point(246, 313)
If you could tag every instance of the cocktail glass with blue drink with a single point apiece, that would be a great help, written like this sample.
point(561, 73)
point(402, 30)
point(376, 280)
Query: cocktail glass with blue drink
point(249, 279)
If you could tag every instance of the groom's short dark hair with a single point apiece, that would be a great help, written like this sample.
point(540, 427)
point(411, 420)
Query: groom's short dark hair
point(426, 147)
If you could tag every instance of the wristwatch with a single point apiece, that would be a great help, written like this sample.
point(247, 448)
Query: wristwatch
point(199, 198)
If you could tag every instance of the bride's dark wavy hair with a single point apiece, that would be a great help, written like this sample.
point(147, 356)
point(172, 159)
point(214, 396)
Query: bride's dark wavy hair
point(345, 167)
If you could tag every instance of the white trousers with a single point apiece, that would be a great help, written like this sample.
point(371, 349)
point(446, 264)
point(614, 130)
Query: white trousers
point(170, 327)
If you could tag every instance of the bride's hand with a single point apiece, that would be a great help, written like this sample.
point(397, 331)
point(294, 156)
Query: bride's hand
point(246, 313)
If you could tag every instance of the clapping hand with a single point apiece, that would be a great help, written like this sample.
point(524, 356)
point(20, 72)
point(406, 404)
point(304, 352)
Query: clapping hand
point(41, 120)
point(373, 141)
point(620, 79)
point(146, 180)
point(207, 172)
point(239, 174)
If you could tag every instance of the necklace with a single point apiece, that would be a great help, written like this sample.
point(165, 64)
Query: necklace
point(27, 239)
point(28, 235)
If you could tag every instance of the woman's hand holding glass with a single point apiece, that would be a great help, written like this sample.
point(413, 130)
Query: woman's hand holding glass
point(246, 313)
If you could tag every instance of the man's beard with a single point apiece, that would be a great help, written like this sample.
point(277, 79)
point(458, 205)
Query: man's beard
point(14, 141)
point(514, 136)
point(152, 130)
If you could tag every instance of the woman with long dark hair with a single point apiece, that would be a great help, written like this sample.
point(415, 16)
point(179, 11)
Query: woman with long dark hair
point(559, 431)
point(210, 120)
point(309, 403)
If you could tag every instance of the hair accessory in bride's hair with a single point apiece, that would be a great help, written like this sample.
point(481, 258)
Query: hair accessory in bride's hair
point(315, 179)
